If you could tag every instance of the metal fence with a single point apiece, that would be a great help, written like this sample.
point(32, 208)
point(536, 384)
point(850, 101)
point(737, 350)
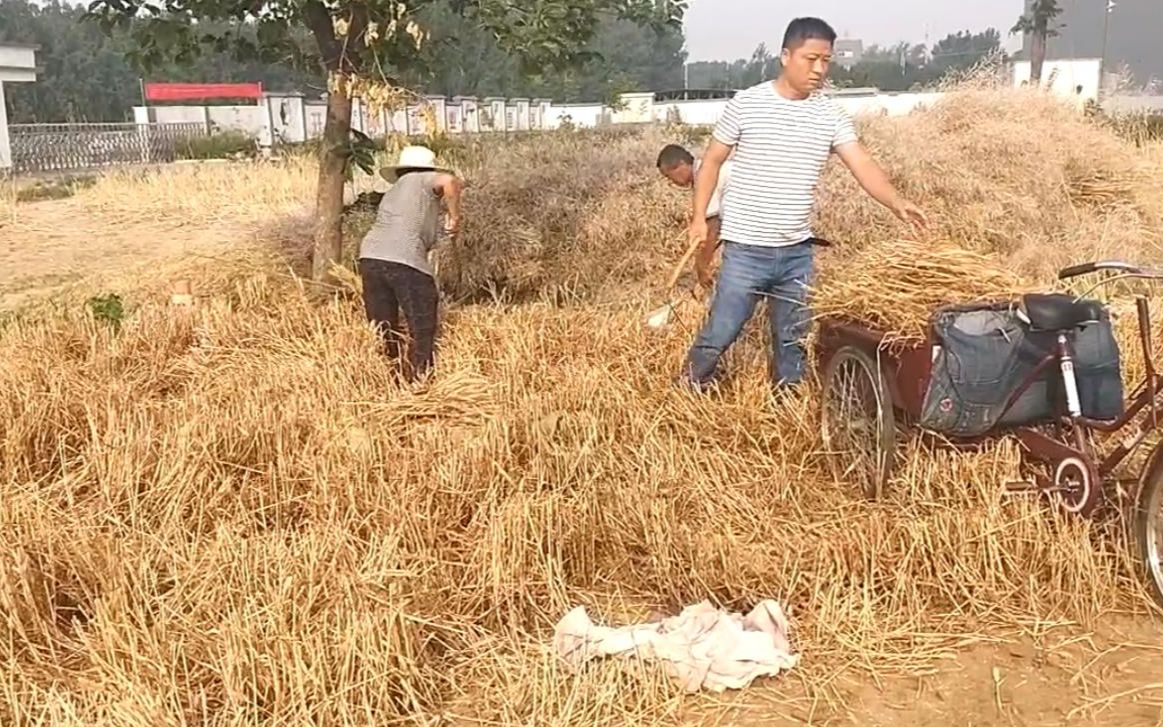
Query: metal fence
point(66, 147)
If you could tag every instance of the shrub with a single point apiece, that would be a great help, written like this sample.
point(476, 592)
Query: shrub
point(56, 188)
point(218, 145)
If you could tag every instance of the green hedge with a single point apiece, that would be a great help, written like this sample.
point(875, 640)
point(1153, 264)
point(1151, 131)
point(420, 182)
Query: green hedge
point(219, 145)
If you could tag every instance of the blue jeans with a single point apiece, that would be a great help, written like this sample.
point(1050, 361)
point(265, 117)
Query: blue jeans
point(783, 273)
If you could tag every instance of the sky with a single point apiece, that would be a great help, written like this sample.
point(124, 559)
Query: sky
point(730, 29)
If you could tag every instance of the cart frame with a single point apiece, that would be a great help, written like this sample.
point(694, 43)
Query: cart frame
point(1059, 452)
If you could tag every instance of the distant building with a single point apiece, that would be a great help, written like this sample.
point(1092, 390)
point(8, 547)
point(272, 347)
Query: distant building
point(1073, 77)
point(17, 65)
point(848, 52)
point(1132, 38)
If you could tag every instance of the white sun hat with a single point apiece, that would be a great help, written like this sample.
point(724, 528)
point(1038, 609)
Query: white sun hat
point(412, 157)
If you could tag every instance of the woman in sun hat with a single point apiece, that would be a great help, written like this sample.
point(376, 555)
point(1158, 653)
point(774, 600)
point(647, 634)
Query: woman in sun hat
point(393, 257)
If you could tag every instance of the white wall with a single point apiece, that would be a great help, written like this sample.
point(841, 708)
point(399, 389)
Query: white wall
point(250, 119)
point(398, 121)
point(416, 121)
point(706, 112)
point(1068, 75)
point(470, 115)
point(364, 120)
point(5, 150)
point(491, 114)
point(1134, 104)
point(247, 119)
point(638, 108)
point(180, 114)
point(305, 120)
point(577, 114)
point(372, 123)
point(891, 104)
point(439, 111)
point(699, 113)
point(517, 115)
point(454, 118)
point(289, 117)
point(316, 118)
point(17, 63)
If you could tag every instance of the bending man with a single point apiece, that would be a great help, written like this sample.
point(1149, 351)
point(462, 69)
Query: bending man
point(681, 168)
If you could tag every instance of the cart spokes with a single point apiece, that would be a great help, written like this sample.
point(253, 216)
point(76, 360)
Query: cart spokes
point(858, 426)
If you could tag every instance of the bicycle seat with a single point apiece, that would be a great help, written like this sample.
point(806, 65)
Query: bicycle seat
point(1058, 311)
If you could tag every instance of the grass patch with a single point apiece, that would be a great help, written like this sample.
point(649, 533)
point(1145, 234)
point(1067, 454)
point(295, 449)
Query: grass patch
point(55, 188)
point(219, 145)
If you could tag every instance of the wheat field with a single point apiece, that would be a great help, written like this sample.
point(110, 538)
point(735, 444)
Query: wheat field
point(232, 514)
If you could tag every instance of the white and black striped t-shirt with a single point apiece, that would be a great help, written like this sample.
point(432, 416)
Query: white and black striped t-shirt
point(781, 147)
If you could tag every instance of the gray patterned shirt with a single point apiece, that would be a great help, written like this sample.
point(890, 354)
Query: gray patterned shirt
point(407, 224)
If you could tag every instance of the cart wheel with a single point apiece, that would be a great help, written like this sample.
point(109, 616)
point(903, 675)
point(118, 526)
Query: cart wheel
point(1149, 534)
point(857, 423)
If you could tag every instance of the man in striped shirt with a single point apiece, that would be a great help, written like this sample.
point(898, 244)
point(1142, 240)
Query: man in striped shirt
point(782, 133)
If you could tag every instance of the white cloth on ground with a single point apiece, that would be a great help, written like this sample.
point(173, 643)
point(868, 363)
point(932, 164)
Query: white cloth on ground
point(702, 648)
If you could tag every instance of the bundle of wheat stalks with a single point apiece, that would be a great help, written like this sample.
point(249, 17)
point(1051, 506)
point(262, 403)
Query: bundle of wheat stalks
point(1101, 188)
point(895, 287)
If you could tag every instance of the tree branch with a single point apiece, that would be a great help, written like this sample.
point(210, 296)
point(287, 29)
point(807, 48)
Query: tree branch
point(318, 21)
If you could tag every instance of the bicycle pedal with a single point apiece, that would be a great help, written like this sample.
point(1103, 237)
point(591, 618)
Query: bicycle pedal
point(1021, 487)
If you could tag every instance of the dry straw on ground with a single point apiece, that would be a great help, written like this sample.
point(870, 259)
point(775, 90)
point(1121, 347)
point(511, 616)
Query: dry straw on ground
point(231, 514)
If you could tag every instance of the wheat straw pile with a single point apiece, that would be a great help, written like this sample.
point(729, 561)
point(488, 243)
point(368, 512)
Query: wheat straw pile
point(894, 287)
point(231, 515)
point(1013, 172)
point(560, 215)
point(1017, 186)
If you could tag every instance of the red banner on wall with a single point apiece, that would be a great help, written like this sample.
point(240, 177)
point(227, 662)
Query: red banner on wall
point(199, 91)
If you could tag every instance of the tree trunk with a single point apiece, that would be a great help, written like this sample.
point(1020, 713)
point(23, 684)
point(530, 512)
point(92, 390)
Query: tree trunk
point(1037, 55)
point(329, 192)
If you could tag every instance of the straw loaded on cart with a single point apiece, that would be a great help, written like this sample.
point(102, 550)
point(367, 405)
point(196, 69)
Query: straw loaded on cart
point(1043, 368)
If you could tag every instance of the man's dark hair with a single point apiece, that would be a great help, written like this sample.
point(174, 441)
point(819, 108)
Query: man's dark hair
point(802, 30)
point(673, 155)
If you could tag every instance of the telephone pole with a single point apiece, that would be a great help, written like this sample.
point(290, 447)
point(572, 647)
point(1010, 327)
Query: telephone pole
point(1106, 21)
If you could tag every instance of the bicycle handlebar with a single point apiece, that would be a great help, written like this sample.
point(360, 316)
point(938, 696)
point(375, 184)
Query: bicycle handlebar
point(1075, 270)
point(1085, 268)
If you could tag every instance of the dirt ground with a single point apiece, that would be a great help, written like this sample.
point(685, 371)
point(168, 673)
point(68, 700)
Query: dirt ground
point(126, 225)
point(1060, 677)
point(53, 244)
point(1048, 676)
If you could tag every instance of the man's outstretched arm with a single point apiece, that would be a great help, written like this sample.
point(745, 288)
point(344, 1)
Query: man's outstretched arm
point(872, 178)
